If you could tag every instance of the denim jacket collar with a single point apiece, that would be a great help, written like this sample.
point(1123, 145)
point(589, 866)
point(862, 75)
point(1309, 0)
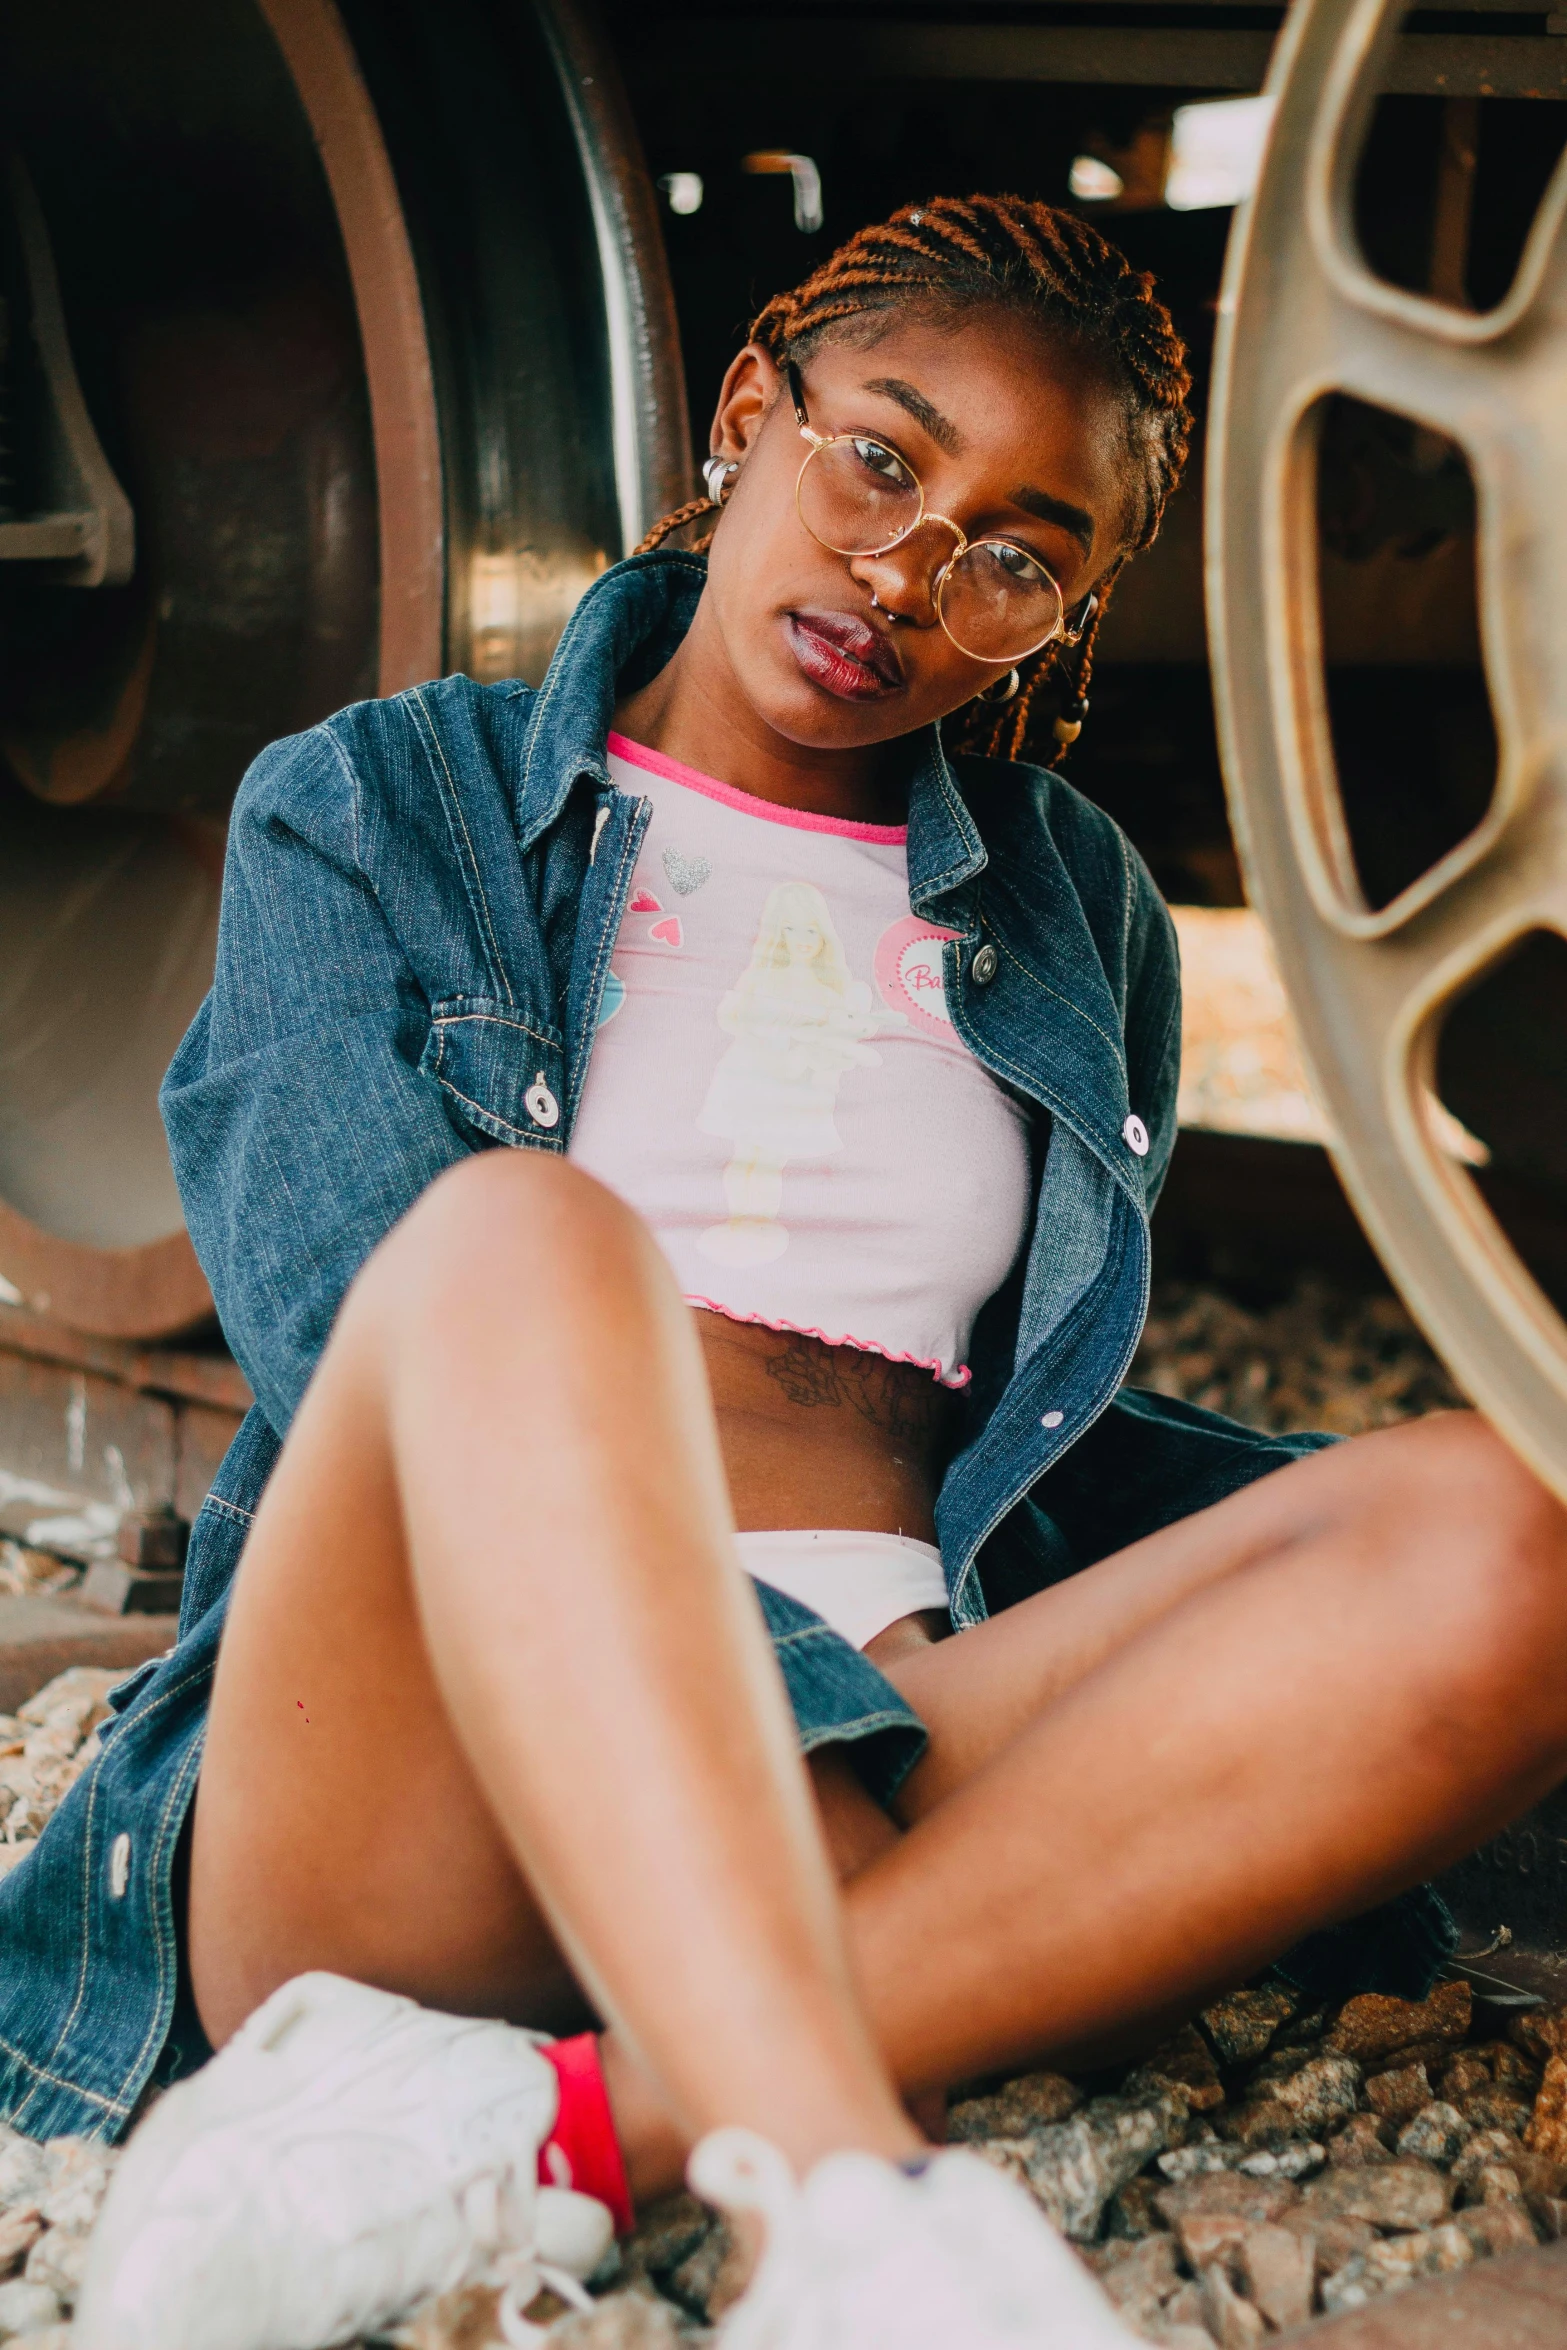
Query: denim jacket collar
point(638, 613)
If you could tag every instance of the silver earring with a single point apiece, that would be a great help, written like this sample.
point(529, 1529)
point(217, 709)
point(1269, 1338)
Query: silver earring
point(1003, 689)
point(716, 473)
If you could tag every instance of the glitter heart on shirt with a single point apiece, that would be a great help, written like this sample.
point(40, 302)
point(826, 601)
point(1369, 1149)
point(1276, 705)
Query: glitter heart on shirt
point(668, 932)
point(686, 873)
point(646, 903)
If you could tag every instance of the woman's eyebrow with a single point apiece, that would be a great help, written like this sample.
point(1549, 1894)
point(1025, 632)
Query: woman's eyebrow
point(1073, 519)
point(945, 434)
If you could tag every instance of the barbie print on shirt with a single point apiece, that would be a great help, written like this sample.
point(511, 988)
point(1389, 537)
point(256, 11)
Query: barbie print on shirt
point(775, 1037)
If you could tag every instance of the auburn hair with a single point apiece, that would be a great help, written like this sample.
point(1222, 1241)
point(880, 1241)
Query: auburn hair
point(1002, 252)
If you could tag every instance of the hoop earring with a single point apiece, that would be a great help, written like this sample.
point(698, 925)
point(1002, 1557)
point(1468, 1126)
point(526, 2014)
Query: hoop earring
point(1003, 689)
point(716, 473)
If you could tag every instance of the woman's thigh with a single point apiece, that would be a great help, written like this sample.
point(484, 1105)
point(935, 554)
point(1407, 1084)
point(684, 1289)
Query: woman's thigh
point(337, 1822)
point(1433, 1515)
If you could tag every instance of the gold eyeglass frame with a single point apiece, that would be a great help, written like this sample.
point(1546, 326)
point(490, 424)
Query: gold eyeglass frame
point(818, 441)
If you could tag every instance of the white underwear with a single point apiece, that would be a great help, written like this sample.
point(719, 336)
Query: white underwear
point(860, 1583)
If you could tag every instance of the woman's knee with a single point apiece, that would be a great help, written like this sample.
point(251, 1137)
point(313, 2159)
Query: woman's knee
point(1479, 1546)
point(509, 1229)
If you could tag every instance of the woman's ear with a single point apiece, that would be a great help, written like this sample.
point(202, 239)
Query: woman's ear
point(750, 387)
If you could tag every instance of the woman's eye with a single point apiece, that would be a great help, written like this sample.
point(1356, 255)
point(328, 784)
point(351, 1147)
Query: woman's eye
point(884, 463)
point(1016, 563)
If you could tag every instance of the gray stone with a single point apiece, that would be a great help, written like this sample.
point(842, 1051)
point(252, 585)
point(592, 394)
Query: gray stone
point(1229, 2193)
point(1363, 2139)
point(59, 2260)
point(1500, 2108)
point(79, 2175)
point(1140, 2277)
point(1278, 2270)
point(1502, 2226)
point(25, 2307)
point(1322, 2091)
point(711, 2277)
point(1374, 2025)
point(1133, 2212)
point(667, 2233)
point(1399, 2095)
point(1391, 2195)
point(621, 2321)
point(1035, 2101)
point(24, 2172)
point(1438, 2133)
point(1232, 2321)
point(1487, 2147)
point(19, 2232)
point(1074, 2168)
point(1196, 2162)
point(1240, 2027)
point(1298, 2160)
point(1336, 2241)
point(1395, 2262)
point(1493, 2182)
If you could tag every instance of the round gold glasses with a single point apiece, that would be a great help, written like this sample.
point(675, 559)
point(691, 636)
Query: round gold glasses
point(857, 496)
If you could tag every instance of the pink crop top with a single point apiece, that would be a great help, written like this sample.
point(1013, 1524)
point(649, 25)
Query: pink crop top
point(777, 1088)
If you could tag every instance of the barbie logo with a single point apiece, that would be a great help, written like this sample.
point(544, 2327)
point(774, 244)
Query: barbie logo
point(909, 973)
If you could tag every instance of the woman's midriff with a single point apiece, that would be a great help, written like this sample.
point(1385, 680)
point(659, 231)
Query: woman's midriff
point(831, 1436)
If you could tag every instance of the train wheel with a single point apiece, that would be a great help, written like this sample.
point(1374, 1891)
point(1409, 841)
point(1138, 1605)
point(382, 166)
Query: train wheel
point(1374, 985)
point(369, 312)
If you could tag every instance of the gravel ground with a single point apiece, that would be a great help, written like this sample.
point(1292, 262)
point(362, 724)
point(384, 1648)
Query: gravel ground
point(1325, 1358)
point(1272, 2162)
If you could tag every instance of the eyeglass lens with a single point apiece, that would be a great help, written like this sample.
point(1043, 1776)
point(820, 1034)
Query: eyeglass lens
point(857, 497)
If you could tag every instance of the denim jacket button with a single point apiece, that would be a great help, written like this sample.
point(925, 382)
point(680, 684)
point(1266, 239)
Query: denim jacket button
point(1135, 1134)
point(984, 966)
point(544, 1109)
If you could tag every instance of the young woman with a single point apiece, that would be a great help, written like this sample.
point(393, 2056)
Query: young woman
point(597, 1476)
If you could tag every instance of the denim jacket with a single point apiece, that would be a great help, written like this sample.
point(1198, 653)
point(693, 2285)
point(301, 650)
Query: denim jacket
point(420, 903)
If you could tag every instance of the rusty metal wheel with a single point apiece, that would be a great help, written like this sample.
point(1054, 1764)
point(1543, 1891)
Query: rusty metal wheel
point(1302, 318)
point(368, 309)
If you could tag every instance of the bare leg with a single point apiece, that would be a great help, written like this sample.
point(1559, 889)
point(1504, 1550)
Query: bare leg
point(491, 1661)
point(1117, 1809)
point(1155, 1778)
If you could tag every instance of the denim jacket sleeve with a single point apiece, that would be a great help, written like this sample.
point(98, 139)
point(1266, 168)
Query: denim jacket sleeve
point(300, 1126)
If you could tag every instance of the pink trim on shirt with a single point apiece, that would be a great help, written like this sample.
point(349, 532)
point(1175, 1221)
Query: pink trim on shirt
point(866, 1346)
point(655, 763)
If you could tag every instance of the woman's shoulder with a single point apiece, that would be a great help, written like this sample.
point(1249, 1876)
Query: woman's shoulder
point(381, 754)
point(1021, 808)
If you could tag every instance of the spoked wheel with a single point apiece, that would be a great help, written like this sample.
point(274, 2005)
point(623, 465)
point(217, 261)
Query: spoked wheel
point(368, 310)
point(1371, 985)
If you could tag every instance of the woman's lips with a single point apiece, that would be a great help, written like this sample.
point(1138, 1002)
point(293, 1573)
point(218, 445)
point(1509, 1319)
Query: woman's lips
point(845, 655)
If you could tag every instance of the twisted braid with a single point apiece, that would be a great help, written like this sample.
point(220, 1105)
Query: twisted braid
point(990, 252)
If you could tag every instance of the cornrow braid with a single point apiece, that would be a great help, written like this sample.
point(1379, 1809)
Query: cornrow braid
point(989, 252)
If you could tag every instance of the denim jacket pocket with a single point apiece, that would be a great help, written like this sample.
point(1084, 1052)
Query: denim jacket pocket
point(502, 1076)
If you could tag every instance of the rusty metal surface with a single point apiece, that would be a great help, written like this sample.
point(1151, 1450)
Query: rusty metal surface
point(373, 320)
point(83, 1448)
point(73, 514)
point(42, 1637)
point(1198, 55)
point(1302, 316)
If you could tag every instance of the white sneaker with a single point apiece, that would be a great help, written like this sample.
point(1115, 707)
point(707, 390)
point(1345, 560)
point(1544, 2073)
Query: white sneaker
point(347, 2155)
point(865, 2256)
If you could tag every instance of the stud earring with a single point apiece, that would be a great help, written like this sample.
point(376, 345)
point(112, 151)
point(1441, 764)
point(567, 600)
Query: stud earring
point(1003, 689)
point(717, 474)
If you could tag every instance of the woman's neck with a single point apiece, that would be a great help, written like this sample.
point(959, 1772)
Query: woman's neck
point(695, 711)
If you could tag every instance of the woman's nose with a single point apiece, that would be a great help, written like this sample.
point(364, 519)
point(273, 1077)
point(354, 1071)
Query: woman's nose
point(903, 581)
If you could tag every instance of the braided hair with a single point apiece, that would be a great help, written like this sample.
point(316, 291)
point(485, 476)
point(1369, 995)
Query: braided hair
point(1002, 252)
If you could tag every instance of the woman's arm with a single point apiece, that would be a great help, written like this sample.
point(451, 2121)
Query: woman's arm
point(300, 1126)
